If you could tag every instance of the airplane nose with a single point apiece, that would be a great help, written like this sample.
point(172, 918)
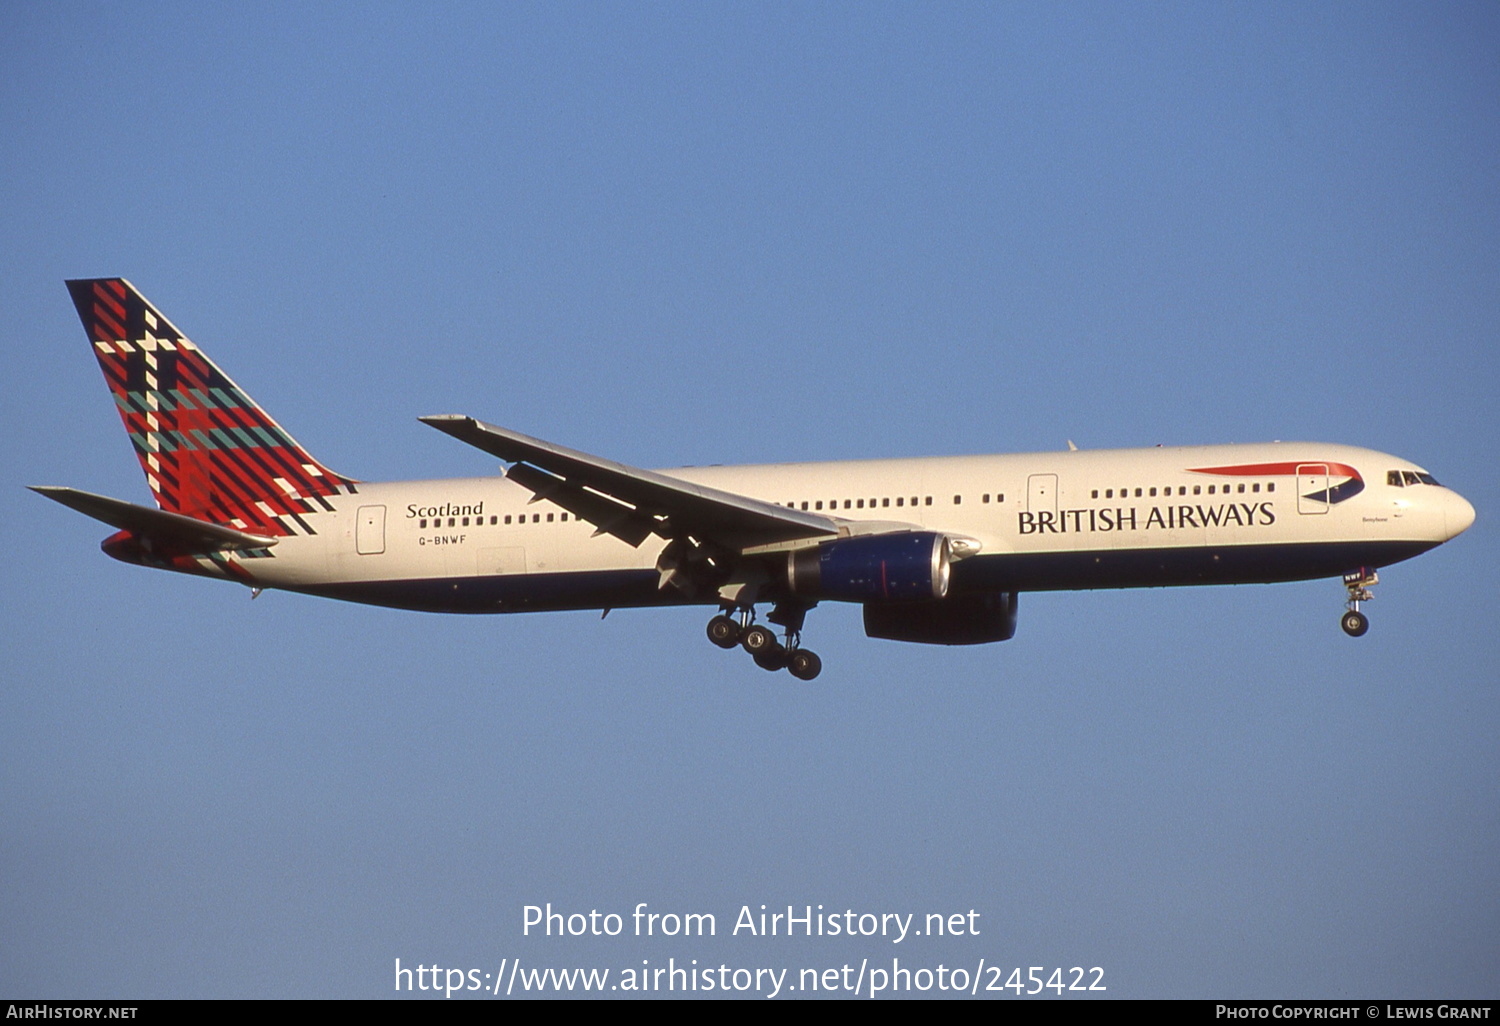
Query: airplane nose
point(1458, 515)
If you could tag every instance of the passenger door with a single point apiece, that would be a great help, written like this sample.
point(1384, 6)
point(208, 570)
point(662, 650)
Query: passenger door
point(1312, 479)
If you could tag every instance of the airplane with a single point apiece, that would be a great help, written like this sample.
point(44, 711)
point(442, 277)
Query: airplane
point(935, 550)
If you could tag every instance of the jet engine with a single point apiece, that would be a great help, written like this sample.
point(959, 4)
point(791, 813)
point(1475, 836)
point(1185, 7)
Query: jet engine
point(906, 567)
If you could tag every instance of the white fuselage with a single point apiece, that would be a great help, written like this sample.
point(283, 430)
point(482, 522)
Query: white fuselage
point(1074, 519)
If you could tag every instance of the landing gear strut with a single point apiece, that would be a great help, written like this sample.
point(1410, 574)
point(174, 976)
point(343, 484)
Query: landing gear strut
point(1358, 583)
point(733, 626)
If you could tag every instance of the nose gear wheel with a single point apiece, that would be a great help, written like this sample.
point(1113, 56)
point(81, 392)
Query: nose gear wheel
point(1358, 584)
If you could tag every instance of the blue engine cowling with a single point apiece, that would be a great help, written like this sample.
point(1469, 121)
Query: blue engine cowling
point(908, 567)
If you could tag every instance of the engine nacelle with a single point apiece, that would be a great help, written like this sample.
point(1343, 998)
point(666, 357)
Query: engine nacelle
point(908, 567)
point(961, 620)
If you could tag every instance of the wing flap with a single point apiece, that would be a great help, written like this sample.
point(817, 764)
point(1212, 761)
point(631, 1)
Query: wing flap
point(607, 515)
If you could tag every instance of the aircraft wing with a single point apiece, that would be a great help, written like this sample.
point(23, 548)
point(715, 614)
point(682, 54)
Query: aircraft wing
point(631, 503)
point(169, 529)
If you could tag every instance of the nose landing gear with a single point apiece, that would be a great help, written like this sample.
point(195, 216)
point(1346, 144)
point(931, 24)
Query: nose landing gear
point(733, 627)
point(1358, 583)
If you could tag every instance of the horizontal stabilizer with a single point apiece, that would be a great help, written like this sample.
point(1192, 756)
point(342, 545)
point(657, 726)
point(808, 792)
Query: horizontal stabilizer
point(166, 529)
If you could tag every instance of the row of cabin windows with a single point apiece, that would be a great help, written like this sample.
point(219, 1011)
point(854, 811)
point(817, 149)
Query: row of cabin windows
point(495, 520)
point(1240, 489)
point(901, 501)
point(884, 503)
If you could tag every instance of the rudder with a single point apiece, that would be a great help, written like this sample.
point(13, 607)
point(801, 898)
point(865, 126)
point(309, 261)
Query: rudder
point(208, 450)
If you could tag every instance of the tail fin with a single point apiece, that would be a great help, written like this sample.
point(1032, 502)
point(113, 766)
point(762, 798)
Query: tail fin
point(209, 452)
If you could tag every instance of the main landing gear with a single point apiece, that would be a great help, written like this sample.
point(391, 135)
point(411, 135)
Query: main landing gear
point(1358, 583)
point(734, 627)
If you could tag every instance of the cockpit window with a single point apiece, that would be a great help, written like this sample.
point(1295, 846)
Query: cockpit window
point(1393, 478)
point(1411, 478)
point(1428, 479)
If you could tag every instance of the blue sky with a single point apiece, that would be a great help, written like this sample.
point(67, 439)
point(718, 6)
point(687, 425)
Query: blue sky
point(677, 234)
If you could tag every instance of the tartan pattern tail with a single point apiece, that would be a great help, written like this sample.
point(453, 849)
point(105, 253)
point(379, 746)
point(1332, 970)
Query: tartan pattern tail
point(208, 450)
